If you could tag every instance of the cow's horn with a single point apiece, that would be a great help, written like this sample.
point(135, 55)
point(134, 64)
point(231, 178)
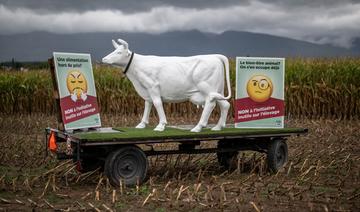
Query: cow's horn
point(124, 43)
point(116, 45)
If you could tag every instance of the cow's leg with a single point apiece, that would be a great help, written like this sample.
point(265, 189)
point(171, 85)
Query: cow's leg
point(205, 89)
point(156, 99)
point(160, 111)
point(145, 118)
point(208, 108)
point(224, 108)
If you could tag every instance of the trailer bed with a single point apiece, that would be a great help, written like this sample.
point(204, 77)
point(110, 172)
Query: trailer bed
point(123, 135)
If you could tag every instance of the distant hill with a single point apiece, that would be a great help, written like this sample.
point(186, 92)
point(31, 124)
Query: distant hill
point(38, 46)
point(356, 46)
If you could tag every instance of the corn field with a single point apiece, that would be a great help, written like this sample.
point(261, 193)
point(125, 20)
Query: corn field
point(314, 88)
point(322, 174)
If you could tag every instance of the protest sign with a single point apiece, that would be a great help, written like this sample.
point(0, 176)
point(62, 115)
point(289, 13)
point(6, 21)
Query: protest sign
point(259, 101)
point(77, 93)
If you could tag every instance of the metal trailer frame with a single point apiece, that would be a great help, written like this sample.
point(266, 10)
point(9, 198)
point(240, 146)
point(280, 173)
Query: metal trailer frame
point(228, 146)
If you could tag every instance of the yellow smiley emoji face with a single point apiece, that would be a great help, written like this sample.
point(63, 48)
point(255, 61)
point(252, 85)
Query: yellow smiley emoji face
point(76, 83)
point(259, 88)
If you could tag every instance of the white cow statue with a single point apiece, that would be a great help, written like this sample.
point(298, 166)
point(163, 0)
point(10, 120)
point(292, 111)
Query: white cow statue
point(199, 79)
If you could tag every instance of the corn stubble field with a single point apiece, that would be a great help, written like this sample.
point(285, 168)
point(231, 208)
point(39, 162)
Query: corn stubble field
point(322, 173)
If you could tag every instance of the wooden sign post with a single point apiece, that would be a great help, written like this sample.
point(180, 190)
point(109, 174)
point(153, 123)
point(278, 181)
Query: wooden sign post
point(60, 123)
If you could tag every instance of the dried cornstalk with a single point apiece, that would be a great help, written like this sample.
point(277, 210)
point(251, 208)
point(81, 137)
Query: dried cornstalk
point(86, 195)
point(50, 205)
point(289, 170)
point(223, 193)
point(97, 195)
point(93, 207)
point(107, 208)
point(99, 183)
point(113, 199)
point(45, 188)
point(167, 185)
point(255, 207)
point(180, 191)
point(148, 197)
point(3, 200)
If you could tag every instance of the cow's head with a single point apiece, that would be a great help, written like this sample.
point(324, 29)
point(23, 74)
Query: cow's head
point(120, 56)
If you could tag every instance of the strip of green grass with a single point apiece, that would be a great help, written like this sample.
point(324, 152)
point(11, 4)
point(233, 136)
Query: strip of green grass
point(173, 133)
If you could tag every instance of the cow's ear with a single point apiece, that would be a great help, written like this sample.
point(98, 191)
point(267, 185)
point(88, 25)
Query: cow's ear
point(116, 45)
point(124, 43)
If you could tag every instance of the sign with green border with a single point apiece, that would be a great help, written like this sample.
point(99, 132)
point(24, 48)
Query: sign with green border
point(77, 93)
point(259, 101)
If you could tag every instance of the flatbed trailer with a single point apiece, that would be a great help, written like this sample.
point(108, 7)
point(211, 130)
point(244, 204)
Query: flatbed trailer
point(118, 153)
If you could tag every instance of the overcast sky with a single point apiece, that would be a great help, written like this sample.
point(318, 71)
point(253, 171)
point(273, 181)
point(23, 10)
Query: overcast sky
point(321, 21)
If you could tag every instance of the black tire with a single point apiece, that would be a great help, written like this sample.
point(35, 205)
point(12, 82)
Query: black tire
point(277, 155)
point(227, 160)
point(129, 163)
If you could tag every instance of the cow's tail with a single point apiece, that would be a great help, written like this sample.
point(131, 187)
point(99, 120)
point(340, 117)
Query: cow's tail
point(225, 62)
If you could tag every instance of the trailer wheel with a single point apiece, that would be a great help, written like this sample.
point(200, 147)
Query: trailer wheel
point(277, 155)
point(226, 160)
point(129, 163)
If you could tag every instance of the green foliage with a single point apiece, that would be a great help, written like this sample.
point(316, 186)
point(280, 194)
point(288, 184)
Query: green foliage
point(315, 88)
point(160, 210)
point(120, 205)
point(15, 65)
point(323, 88)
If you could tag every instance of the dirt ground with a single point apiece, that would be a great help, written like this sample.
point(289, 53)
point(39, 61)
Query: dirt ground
point(322, 174)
